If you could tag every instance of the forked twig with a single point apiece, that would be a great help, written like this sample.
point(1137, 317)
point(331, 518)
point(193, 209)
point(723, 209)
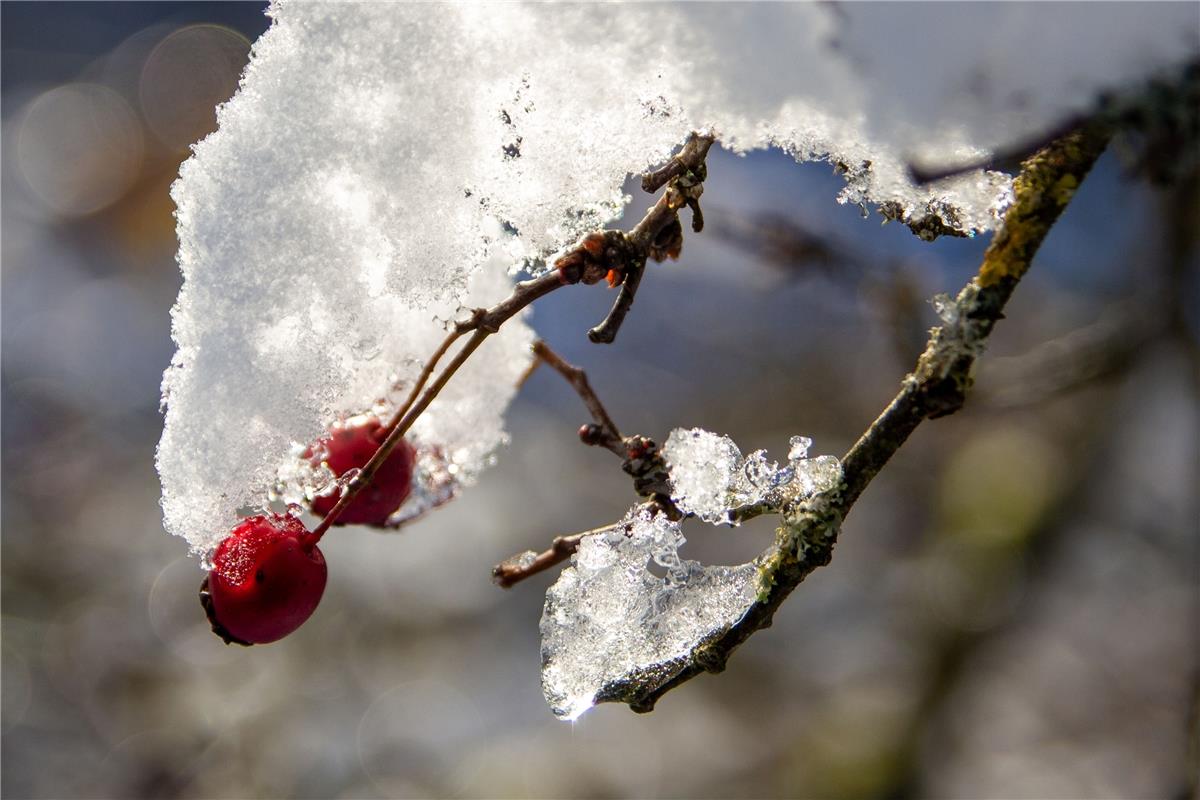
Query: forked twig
point(424, 376)
point(640, 459)
point(604, 432)
point(658, 236)
point(937, 387)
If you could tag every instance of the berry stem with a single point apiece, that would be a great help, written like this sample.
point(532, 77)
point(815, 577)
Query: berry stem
point(424, 376)
point(397, 429)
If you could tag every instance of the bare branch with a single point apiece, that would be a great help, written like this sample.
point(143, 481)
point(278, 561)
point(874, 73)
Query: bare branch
point(512, 571)
point(641, 458)
point(659, 235)
point(606, 433)
point(1012, 155)
point(424, 376)
point(606, 331)
point(398, 427)
point(936, 387)
point(693, 154)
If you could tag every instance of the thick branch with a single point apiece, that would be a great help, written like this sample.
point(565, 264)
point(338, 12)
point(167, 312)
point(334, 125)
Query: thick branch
point(936, 387)
point(939, 383)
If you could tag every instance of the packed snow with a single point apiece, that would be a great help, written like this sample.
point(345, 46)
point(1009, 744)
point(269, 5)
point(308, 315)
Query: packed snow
point(384, 165)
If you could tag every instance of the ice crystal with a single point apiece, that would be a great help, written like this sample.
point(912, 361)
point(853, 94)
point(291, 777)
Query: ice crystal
point(613, 629)
point(703, 468)
point(710, 479)
point(945, 307)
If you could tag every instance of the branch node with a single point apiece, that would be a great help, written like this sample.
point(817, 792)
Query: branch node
point(710, 659)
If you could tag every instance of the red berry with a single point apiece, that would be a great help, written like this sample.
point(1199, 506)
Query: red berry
point(350, 446)
point(267, 578)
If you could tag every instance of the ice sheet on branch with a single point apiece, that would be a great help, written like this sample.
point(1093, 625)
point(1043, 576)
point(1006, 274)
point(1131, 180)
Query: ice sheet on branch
point(611, 628)
point(377, 155)
point(628, 614)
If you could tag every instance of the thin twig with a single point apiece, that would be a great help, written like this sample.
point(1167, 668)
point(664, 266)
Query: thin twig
point(398, 428)
point(693, 153)
point(534, 363)
point(642, 240)
point(424, 376)
point(1011, 155)
point(640, 459)
point(606, 331)
point(483, 323)
point(516, 569)
point(608, 435)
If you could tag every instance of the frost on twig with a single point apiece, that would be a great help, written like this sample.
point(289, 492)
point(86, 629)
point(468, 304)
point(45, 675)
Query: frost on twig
point(613, 628)
point(936, 387)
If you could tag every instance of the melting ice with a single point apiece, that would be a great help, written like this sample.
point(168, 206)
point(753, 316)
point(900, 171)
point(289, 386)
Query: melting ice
point(711, 479)
point(612, 627)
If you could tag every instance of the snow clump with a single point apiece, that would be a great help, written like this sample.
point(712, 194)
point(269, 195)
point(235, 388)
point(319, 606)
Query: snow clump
point(382, 165)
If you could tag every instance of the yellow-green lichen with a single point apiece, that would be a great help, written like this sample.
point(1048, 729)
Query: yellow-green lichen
point(1047, 182)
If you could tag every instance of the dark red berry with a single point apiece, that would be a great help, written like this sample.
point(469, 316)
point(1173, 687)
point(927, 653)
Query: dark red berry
point(267, 578)
point(350, 446)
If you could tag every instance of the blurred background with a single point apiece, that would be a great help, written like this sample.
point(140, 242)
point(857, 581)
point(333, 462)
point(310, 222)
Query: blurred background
point(1013, 609)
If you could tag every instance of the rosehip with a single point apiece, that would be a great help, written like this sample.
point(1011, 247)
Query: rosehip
point(267, 578)
point(350, 446)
